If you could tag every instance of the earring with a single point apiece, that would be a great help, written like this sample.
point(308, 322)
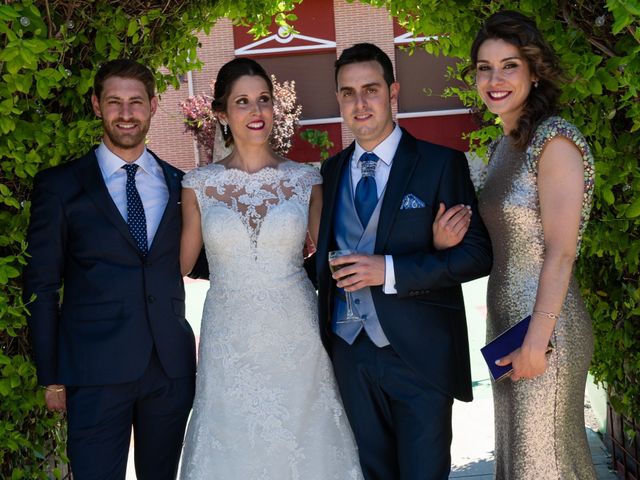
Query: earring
point(535, 84)
point(225, 128)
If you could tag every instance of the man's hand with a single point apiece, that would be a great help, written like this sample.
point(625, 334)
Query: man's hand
point(360, 271)
point(56, 398)
point(450, 227)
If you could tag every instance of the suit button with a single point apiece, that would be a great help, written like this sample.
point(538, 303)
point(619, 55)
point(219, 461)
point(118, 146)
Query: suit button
point(151, 299)
point(357, 301)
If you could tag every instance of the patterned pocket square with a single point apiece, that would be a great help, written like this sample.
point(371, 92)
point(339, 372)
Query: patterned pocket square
point(410, 201)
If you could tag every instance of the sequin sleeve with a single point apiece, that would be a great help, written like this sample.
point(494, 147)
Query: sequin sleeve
point(551, 128)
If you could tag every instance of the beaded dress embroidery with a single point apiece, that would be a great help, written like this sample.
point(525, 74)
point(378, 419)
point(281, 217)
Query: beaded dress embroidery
point(539, 423)
point(266, 404)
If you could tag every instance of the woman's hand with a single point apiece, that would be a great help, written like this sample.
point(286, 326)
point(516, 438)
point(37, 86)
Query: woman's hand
point(527, 362)
point(530, 360)
point(450, 227)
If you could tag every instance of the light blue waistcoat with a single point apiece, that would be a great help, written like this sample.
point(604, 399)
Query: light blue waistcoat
point(350, 234)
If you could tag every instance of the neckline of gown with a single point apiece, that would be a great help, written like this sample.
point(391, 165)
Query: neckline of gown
point(265, 169)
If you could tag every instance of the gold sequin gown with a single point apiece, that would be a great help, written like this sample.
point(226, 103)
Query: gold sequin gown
point(539, 423)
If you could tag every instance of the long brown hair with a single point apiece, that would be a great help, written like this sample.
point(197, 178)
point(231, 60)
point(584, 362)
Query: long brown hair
point(522, 32)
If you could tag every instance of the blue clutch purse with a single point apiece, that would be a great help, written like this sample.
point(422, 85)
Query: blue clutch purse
point(502, 345)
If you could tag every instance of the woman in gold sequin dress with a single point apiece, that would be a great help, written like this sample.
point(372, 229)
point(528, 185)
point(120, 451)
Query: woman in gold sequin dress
point(535, 203)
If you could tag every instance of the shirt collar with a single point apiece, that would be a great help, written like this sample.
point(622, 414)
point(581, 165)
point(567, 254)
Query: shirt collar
point(110, 163)
point(386, 149)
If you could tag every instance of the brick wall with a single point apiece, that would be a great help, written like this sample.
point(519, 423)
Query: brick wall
point(167, 137)
point(217, 49)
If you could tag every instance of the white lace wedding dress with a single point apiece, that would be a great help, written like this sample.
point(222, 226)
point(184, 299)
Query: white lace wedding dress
point(266, 404)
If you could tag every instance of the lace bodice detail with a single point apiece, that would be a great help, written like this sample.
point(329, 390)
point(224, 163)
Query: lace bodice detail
point(250, 197)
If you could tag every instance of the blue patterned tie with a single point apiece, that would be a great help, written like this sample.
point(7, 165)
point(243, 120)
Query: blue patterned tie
point(366, 197)
point(136, 218)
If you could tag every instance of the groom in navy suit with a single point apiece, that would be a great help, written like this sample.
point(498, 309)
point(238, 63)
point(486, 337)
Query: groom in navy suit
point(400, 365)
point(117, 351)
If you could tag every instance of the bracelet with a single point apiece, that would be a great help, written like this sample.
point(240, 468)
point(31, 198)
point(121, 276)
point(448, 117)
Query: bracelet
point(552, 316)
point(54, 390)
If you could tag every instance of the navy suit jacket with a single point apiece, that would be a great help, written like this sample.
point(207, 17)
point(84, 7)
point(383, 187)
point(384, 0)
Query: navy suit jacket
point(425, 321)
point(116, 304)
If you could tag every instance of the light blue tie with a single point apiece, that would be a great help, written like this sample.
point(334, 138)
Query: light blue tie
point(136, 219)
point(366, 197)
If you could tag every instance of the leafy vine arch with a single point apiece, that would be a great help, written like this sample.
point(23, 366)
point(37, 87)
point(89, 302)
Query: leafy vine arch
point(49, 50)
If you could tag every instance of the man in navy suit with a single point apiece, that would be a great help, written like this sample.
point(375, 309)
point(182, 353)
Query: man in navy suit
point(400, 365)
point(117, 352)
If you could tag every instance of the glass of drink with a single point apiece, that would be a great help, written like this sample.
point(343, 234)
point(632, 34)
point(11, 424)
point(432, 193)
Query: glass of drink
point(351, 316)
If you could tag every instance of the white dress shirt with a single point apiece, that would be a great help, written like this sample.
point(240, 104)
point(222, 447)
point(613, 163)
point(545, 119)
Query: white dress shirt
point(385, 151)
point(150, 183)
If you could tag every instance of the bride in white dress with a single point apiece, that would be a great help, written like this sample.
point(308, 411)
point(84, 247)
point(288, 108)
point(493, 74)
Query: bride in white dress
point(266, 404)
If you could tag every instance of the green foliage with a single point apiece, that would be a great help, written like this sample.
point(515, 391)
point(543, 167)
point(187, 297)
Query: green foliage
point(319, 139)
point(49, 52)
point(599, 45)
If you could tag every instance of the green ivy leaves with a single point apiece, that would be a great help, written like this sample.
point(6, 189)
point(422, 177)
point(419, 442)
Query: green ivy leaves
point(625, 13)
point(319, 139)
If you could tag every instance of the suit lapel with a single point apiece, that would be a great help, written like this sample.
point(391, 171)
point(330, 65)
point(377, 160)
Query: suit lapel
point(404, 163)
point(172, 178)
point(90, 177)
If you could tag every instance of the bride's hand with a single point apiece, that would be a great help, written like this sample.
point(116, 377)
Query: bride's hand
point(450, 227)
